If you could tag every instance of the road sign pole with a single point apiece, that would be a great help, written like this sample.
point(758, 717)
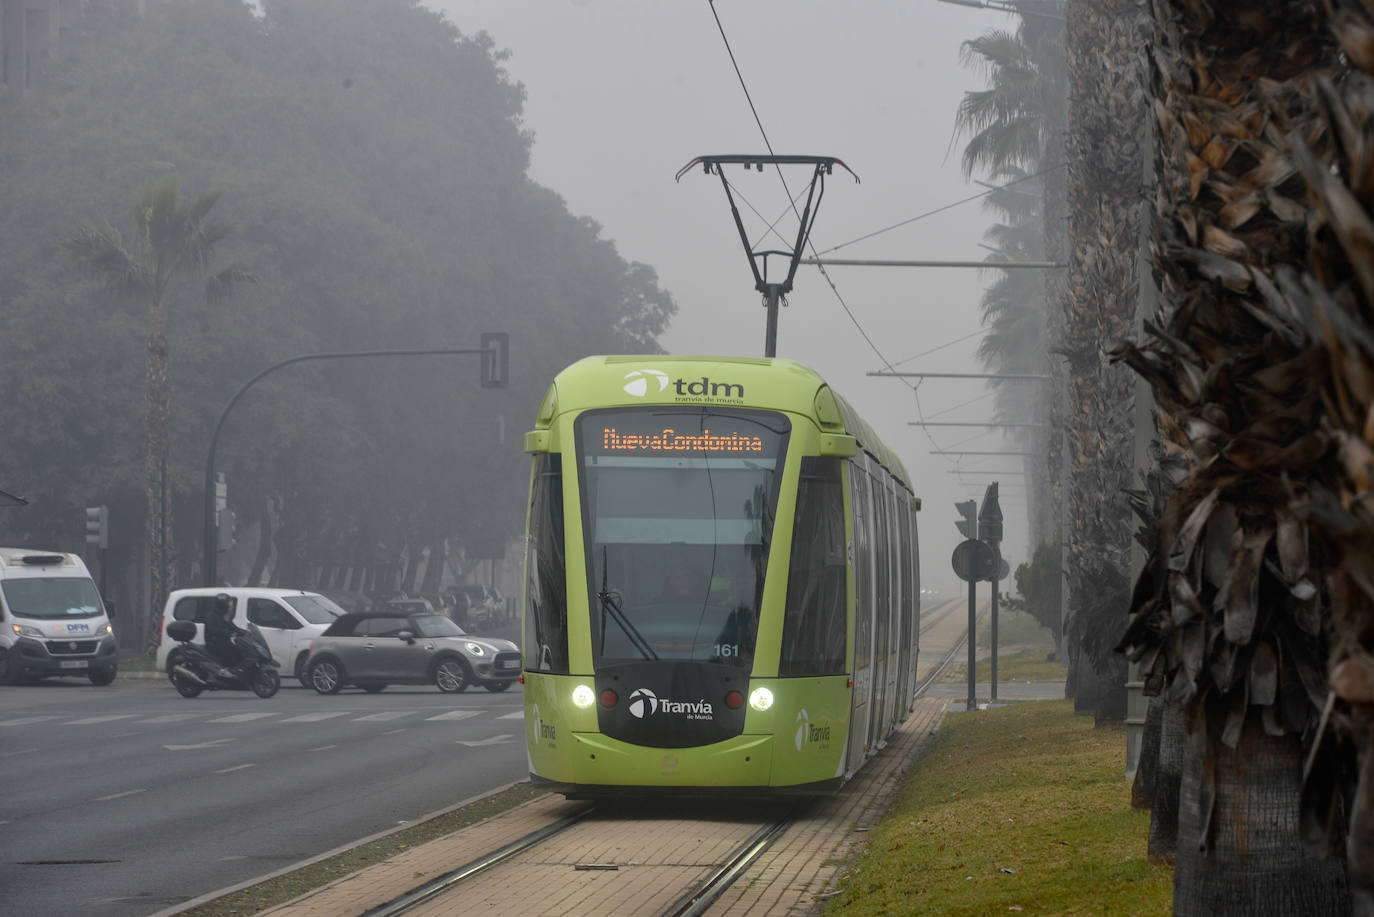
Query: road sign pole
point(997, 568)
point(972, 641)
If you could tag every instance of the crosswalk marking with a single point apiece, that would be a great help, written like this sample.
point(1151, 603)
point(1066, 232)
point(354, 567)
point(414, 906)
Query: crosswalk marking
point(384, 716)
point(517, 715)
point(455, 715)
point(316, 717)
point(242, 717)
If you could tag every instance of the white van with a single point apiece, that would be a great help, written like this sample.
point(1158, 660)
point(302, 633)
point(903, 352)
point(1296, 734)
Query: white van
point(52, 621)
point(289, 619)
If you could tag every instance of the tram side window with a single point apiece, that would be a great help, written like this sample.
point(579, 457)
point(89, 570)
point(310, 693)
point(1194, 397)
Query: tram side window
point(813, 629)
point(861, 501)
point(546, 608)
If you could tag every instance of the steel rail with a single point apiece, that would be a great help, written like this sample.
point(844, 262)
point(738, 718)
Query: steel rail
point(698, 899)
point(438, 886)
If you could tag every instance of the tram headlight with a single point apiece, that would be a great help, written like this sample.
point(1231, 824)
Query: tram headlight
point(583, 696)
point(761, 699)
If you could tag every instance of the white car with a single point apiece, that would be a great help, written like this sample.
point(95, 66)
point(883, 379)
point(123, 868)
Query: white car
point(289, 619)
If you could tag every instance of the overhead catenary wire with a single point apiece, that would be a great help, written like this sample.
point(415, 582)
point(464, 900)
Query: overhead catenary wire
point(758, 121)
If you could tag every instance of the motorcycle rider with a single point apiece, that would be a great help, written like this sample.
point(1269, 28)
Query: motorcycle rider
point(220, 631)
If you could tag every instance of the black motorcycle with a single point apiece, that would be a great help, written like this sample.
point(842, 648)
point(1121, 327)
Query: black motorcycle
point(192, 669)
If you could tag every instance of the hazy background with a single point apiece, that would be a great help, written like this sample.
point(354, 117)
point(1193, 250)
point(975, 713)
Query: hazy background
point(623, 93)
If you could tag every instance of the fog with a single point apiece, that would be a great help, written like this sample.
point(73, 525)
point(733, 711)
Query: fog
point(620, 94)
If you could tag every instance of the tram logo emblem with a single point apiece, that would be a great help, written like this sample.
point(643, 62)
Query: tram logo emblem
point(543, 730)
point(637, 381)
point(808, 733)
point(643, 703)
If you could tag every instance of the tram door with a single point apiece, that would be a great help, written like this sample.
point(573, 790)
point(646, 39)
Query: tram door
point(860, 706)
point(891, 646)
point(908, 613)
point(882, 612)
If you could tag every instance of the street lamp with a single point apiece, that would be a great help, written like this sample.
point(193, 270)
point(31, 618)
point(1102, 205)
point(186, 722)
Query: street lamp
point(495, 367)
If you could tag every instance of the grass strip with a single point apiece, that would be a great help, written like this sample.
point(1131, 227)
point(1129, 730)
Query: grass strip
point(293, 884)
point(1016, 809)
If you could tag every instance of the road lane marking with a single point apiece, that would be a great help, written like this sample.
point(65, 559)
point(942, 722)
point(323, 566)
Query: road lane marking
point(237, 767)
point(102, 719)
point(384, 715)
point(324, 748)
point(11, 754)
point(455, 715)
point(169, 718)
point(119, 795)
point(241, 717)
point(316, 717)
point(26, 720)
point(517, 715)
point(213, 743)
point(494, 740)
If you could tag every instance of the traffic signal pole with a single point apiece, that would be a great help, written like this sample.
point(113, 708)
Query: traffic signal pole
point(495, 353)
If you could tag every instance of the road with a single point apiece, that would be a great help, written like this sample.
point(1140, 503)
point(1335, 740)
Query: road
point(125, 800)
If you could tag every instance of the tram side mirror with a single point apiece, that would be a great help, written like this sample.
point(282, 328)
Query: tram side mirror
point(839, 444)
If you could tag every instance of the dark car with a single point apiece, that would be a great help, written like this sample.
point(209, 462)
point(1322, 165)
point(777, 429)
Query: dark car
point(374, 649)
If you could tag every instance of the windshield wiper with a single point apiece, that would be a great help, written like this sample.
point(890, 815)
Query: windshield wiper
point(610, 606)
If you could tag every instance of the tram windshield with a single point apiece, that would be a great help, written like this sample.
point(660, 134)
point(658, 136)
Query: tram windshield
point(677, 510)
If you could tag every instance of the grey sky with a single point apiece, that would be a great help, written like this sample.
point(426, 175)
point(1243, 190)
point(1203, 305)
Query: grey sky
point(622, 93)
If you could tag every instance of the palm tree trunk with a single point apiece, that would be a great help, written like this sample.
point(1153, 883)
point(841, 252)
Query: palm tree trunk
point(1107, 109)
point(156, 446)
point(1239, 847)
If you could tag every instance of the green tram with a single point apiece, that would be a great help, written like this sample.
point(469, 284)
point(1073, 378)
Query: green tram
point(722, 581)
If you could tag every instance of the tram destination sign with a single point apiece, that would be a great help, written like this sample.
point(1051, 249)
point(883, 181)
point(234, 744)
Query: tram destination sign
point(682, 434)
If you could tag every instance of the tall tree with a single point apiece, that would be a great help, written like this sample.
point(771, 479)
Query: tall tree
point(173, 239)
point(1232, 616)
point(1105, 179)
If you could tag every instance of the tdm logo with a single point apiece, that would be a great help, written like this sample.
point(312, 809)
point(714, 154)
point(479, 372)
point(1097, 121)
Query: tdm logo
point(637, 381)
point(643, 703)
point(705, 386)
point(640, 382)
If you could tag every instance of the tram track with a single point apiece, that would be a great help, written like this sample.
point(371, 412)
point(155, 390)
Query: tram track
point(582, 845)
point(682, 884)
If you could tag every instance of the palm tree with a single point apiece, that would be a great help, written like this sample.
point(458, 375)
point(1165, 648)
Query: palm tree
point(1235, 614)
point(172, 239)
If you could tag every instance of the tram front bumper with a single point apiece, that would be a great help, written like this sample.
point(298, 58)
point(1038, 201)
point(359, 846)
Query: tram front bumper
point(744, 761)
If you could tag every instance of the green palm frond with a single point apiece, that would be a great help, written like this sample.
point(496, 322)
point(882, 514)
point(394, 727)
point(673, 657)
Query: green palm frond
point(220, 286)
point(99, 250)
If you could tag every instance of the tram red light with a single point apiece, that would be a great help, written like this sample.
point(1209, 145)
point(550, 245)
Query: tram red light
point(734, 700)
point(609, 698)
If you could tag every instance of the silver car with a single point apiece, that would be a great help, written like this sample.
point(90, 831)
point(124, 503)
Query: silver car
point(378, 648)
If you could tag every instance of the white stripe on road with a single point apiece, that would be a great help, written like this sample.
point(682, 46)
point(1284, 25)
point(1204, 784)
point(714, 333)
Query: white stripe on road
point(103, 719)
point(384, 715)
point(237, 767)
point(24, 721)
point(455, 715)
point(517, 715)
point(324, 748)
point(494, 740)
point(171, 718)
point(241, 718)
point(118, 795)
point(316, 717)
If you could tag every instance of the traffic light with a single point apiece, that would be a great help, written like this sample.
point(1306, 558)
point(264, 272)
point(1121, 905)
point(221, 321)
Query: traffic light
point(968, 525)
point(98, 526)
point(990, 516)
point(495, 359)
point(221, 492)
